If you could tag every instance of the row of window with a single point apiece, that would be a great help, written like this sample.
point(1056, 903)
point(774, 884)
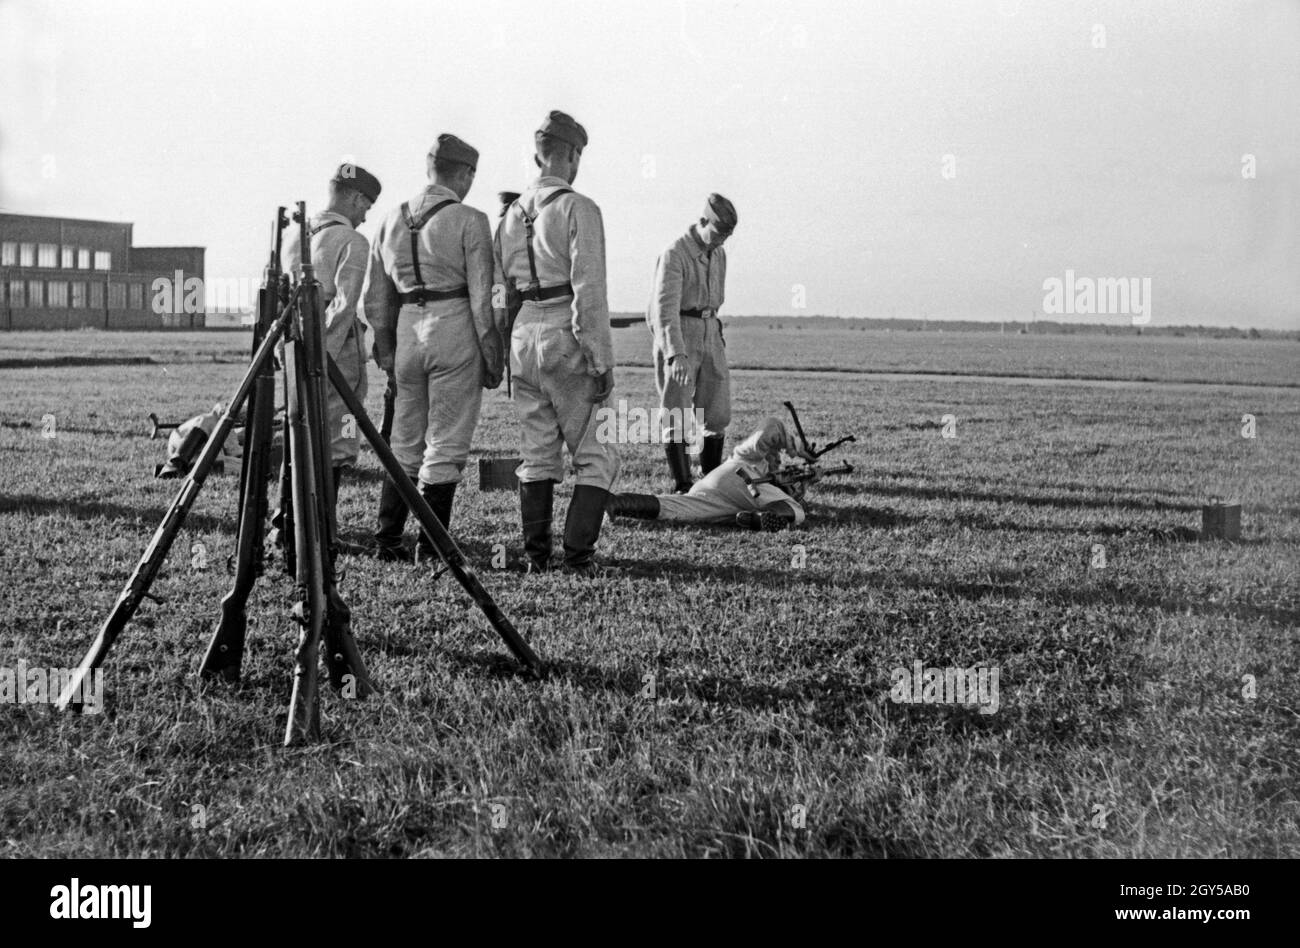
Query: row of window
point(59, 294)
point(14, 254)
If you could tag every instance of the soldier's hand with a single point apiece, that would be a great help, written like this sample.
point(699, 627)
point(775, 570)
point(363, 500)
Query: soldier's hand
point(680, 370)
point(489, 347)
point(604, 386)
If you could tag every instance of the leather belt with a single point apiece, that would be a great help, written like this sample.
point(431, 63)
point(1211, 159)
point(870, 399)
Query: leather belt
point(542, 293)
point(420, 297)
point(700, 313)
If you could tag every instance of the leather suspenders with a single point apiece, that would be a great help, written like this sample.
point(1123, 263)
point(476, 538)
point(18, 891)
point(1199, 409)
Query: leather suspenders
point(535, 292)
point(320, 227)
point(421, 294)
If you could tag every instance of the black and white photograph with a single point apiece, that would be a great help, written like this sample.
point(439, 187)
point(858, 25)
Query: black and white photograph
point(694, 430)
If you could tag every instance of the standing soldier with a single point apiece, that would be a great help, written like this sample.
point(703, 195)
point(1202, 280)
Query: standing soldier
point(339, 255)
point(429, 299)
point(690, 352)
point(551, 256)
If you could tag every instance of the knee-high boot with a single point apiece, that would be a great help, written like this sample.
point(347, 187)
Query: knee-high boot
point(582, 527)
point(536, 503)
point(439, 497)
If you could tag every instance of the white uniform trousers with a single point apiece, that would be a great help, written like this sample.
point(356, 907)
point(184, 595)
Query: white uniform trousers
point(552, 395)
point(439, 373)
point(723, 493)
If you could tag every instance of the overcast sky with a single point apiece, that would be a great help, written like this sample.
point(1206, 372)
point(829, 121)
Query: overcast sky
point(1105, 138)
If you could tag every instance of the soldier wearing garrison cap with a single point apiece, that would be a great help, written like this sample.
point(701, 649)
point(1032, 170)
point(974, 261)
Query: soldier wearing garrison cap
point(339, 255)
point(551, 261)
point(690, 352)
point(429, 298)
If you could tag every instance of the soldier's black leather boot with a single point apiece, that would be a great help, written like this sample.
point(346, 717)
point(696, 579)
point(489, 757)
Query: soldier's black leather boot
point(341, 545)
point(337, 474)
point(439, 498)
point(392, 520)
point(640, 506)
point(711, 453)
point(536, 502)
point(582, 528)
point(679, 465)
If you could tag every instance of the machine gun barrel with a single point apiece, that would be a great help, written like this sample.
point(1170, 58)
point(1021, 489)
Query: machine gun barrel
point(788, 476)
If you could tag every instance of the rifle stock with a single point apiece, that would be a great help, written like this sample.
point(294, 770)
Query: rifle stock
point(155, 553)
point(225, 653)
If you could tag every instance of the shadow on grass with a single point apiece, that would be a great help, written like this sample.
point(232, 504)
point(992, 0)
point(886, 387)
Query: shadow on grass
point(1005, 497)
point(688, 571)
point(834, 695)
point(73, 362)
point(149, 517)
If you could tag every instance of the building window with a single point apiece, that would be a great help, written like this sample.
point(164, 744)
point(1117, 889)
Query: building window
point(117, 296)
point(47, 255)
point(83, 258)
point(17, 293)
point(69, 257)
point(137, 296)
point(58, 294)
point(9, 254)
point(35, 294)
point(96, 296)
point(26, 255)
point(103, 260)
point(79, 295)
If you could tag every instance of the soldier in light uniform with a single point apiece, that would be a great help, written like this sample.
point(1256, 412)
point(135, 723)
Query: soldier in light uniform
point(551, 251)
point(723, 496)
point(690, 354)
point(429, 298)
point(339, 255)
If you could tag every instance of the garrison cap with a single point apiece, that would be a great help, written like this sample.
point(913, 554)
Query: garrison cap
point(358, 179)
point(451, 148)
point(719, 210)
point(562, 126)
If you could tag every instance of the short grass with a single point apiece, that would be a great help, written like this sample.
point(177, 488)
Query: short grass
point(1148, 707)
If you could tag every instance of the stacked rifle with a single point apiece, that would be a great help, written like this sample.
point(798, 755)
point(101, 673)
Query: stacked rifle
point(289, 311)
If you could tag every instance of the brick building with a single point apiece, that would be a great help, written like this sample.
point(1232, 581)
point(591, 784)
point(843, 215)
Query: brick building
point(62, 273)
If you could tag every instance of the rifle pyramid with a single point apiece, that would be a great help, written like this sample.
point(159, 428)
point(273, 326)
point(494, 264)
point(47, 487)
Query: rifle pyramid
point(292, 312)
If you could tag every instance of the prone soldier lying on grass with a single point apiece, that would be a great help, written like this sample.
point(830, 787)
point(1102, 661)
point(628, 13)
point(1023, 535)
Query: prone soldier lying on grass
point(751, 489)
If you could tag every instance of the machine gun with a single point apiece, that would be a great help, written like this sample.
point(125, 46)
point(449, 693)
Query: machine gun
point(795, 479)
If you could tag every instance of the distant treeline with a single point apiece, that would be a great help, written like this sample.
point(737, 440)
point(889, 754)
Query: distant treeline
point(1043, 327)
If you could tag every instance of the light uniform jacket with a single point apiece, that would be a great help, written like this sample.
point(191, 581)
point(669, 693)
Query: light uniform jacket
point(723, 493)
point(455, 251)
point(761, 451)
point(686, 277)
point(569, 247)
point(339, 255)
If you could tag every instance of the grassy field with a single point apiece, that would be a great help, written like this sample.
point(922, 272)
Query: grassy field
point(1149, 706)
